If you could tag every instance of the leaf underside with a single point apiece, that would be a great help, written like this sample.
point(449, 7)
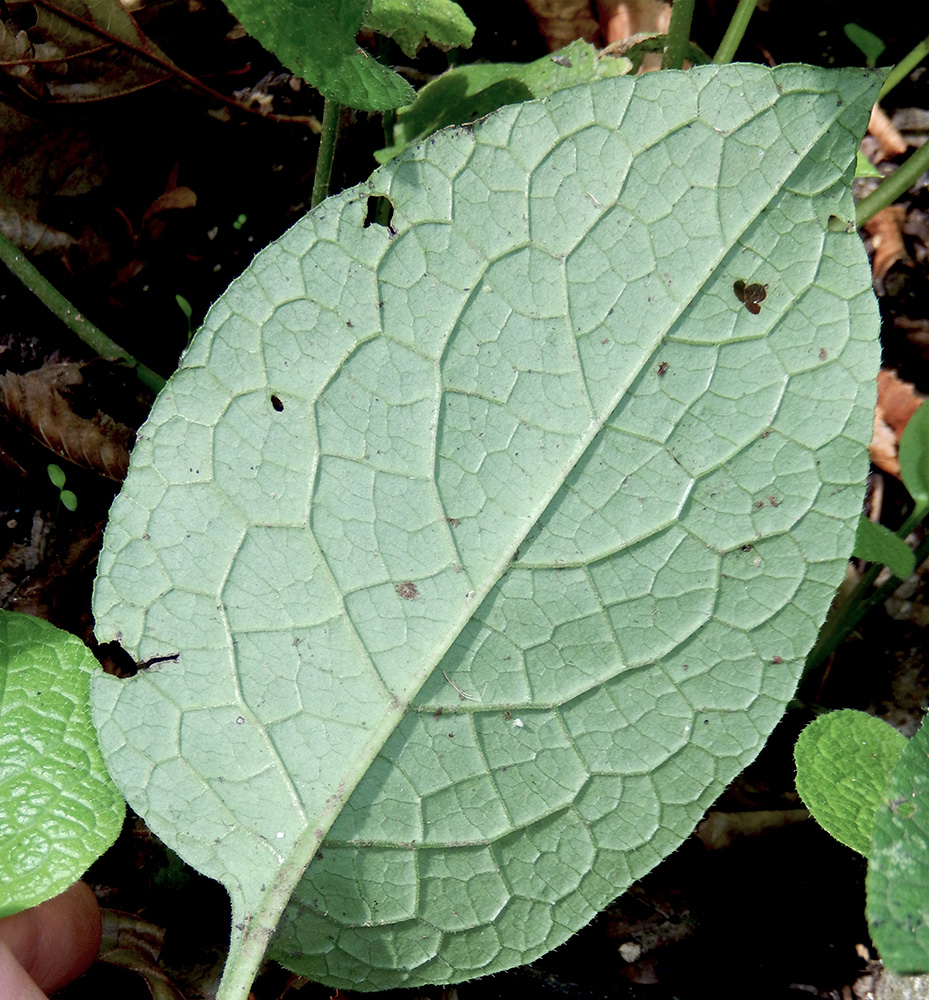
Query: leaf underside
point(495, 541)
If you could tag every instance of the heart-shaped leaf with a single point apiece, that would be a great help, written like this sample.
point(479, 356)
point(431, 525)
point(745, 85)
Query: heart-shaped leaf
point(492, 543)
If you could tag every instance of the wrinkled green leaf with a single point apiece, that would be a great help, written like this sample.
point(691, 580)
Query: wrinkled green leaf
point(315, 39)
point(843, 761)
point(898, 868)
point(414, 23)
point(878, 544)
point(492, 544)
point(59, 811)
point(469, 92)
point(914, 456)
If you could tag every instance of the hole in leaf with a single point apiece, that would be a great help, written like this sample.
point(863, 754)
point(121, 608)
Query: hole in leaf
point(380, 212)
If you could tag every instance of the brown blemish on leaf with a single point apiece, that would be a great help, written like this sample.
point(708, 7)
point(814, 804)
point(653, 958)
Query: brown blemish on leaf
point(662, 369)
point(453, 521)
point(407, 590)
point(751, 296)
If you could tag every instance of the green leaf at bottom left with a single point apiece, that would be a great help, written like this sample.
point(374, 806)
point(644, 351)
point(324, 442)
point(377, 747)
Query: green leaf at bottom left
point(59, 811)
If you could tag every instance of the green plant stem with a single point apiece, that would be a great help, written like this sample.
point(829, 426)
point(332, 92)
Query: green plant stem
point(903, 68)
point(854, 601)
point(682, 15)
point(735, 32)
point(332, 112)
point(96, 339)
point(890, 189)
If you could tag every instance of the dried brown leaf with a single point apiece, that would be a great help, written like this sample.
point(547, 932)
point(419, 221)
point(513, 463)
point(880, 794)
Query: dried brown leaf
point(31, 235)
point(562, 21)
point(179, 197)
point(40, 401)
point(886, 230)
point(634, 17)
point(890, 142)
point(897, 401)
point(84, 50)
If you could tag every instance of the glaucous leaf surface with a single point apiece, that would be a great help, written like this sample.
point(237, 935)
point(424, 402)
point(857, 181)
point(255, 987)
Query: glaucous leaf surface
point(492, 543)
point(59, 811)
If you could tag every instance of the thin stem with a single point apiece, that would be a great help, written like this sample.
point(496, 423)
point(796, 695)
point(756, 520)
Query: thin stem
point(853, 602)
point(332, 111)
point(682, 15)
point(893, 186)
point(903, 68)
point(735, 32)
point(96, 339)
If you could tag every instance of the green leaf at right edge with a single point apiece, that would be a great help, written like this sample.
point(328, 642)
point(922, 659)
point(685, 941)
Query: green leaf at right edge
point(491, 545)
point(898, 868)
point(315, 39)
point(413, 23)
point(467, 93)
point(843, 760)
point(876, 543)
point(914, 456)
point(59, 811)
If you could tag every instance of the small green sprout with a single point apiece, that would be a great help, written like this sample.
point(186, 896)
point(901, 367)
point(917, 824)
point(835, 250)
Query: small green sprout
point(187, 310)
point(65, 497)
point(868, 43)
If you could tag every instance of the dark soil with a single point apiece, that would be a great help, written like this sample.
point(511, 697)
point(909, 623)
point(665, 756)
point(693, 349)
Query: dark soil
point(779, 913)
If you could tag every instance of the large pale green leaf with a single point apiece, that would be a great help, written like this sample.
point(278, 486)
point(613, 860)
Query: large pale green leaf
point(492, 544)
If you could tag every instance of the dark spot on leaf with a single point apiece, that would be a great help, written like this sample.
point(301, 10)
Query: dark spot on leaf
point(277, 404)
point(750, 295)
point(561, 61)
point(451, 736)
point(773, 500)
point(507, 716)
point(407, 590)
point(152, 660)
point(822, 354)
point(777, 659)
point(453, 521)
point(662, 369)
